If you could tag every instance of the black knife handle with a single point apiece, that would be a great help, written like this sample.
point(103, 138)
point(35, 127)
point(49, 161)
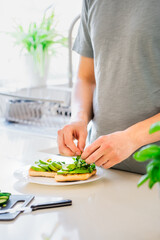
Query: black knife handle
point(60, 203)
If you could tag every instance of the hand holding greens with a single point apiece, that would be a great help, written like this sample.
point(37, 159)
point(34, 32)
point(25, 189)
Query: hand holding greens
point(150, 152)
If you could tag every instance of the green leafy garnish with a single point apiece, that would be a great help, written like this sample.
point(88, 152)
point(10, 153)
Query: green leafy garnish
point(78, 166)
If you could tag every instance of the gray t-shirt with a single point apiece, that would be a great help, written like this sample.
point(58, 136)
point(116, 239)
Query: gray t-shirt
point(123, 37)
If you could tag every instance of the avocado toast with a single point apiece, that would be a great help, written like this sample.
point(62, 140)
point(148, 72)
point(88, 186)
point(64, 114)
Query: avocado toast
point(78, 170)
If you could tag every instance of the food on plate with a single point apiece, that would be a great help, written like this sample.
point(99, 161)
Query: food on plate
point(77, 170)
point(35, 173)
point(4, 197)
point(45, 168)
point(74, 176)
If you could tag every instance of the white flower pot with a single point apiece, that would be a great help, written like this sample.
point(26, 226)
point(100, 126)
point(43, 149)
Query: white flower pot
point(33, 77)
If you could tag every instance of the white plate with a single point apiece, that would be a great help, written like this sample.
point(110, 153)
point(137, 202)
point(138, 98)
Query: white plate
point(22, 175)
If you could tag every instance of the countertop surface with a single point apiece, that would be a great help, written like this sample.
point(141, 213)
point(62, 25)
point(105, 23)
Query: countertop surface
point(112, 208)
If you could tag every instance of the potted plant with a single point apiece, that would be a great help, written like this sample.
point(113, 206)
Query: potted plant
point(39, 42)
point(150, 152)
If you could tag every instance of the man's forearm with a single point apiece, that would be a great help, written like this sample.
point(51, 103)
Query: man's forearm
point(139, 132)
point(82, 99)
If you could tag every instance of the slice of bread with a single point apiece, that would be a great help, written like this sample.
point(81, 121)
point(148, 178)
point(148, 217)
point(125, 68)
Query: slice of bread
point(74, 177)
point(60, 177)
point(34, 173)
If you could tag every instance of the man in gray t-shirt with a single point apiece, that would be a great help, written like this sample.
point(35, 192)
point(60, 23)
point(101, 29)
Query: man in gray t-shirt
point(118, 83)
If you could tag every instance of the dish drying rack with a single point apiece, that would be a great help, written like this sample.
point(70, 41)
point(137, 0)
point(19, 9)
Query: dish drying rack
point(31, 106)
point(48, 106)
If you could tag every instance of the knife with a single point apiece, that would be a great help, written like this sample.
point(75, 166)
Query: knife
point(61, 203)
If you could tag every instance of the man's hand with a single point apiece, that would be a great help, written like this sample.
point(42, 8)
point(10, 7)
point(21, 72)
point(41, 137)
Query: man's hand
point(67, 135)
point(109, 150)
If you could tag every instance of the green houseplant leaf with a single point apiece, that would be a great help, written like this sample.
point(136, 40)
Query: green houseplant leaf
point(143, 179)
point(150, 152)
point(154, 127)
point(147, 152)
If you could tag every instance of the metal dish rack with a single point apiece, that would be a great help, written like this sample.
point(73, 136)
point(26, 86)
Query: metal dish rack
point(41, 106)
point(37, 106)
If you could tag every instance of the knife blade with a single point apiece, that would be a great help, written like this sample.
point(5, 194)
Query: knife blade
point(35, 207)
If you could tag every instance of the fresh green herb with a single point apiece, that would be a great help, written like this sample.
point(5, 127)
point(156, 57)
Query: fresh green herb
point(40, 40)
point(78, 166)
point(152, 153)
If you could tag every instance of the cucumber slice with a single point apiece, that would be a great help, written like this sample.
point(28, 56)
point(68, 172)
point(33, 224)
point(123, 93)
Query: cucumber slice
point(75, 171)
point(65, 167)
point(45, 167)
point(57, 165)
point(5, 194)
point(4, 197)
point(3, 200)
point(38, 169)
point(62, 172)
point(52, 168)
point(43, 162)
point(71, 166)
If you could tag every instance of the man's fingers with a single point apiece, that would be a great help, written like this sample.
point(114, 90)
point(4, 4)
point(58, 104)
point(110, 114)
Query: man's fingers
point(109, 164)
point(82, 142)
point(90, 149)
point(101, 161)
point(68, 140)
point(67, 152)
point(107, 156)
point(96, 156)
point(63, 149)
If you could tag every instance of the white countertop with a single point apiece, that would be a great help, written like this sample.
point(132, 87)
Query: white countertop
point(113, 208)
